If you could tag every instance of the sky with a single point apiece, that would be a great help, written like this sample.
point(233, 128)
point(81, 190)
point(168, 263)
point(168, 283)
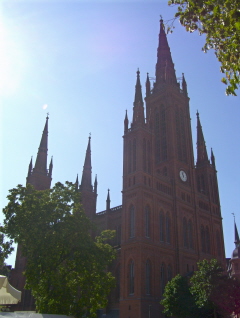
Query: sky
point(77, 61)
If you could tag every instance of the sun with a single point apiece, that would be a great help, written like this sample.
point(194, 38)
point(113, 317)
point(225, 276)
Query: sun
point(11, 59)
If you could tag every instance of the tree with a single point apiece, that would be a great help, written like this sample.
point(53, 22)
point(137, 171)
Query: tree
point(5, 250)
point(66, 269)
point(178, 300)
point(212, 288)
point(219, 20)
point(208, 293)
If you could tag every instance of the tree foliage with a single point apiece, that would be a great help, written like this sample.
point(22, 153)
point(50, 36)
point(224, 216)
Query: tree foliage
point(178, 300)
point(208, 293)
point(219, 20)
point(66, 269)
point(214, 289)
point(5, 250)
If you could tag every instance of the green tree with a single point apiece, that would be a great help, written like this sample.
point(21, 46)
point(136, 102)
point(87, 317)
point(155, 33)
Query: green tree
point(5, 250)
point(178, 300)
point(66, 269)
point(208, 293)
point(219, 20)
point(212, 288)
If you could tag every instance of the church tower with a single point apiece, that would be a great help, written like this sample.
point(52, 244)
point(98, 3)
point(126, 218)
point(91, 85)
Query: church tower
point(234, 267)
point(40, 177)
point(88, 192)
point(171, 211)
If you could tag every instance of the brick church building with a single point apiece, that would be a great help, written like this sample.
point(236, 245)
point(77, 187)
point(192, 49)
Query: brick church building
point(170, 213)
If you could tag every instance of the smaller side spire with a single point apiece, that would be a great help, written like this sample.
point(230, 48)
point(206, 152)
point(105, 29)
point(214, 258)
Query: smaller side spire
point(236, 236)
point(76, 183)
point(86, 183)
point(108, 201)
point(50, 168)
point(202, 156)
point(126, 123)
point(138, 110)
point(184, 85)
point(95, 185)
point(30, 168)
point(148, 86)
point(138, 90)
point(213, 159)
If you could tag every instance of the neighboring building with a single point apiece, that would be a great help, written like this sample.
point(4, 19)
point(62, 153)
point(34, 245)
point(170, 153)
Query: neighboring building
point(234, 261)
point(170, 215)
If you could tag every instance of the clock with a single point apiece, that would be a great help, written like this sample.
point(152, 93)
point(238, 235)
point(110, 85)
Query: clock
point(183, 175)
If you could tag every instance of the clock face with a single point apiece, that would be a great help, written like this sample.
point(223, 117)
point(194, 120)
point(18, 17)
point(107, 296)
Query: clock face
point(183, 175)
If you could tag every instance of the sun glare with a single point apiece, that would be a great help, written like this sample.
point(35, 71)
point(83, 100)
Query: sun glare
point(11, 61)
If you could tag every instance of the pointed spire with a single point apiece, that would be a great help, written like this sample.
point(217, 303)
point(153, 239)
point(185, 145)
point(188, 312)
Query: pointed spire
point(41, 160)
point(95, 185)
point(184, 85)
point(148, 86)
point(213, 159)
point(202, 156)
point(165, 72)
point(138, 110)
point(108, 201)
point(236, 236)
point(86, 183)
point(30, 168)
point(126, 123)
point(76, 184)
point(50, 168)
point(138, 90)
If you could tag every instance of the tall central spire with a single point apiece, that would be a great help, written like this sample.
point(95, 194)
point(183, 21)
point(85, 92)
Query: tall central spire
point(165, 72)
point(86, 183)
point(41, 160)
point(39, 176)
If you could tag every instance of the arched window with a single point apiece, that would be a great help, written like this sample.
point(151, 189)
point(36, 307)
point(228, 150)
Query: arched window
point(165, 173)
point(203, 239)
point(208, 243)
point(202, 183)
point(130, 156)
point(218, 244)
point(163, 278)
point(144, 155)
point(190, 234)
point(147, 221)
point(148, 157)
point(134, 155)
point(168, 229)
point(163, 134)
point(157, 137)
point(185, 233)
point(118, 235)
point(169, 272)
point(132, 222)
point(131, 277)
point(161, 226)
point(117, 276)
point(148, 277)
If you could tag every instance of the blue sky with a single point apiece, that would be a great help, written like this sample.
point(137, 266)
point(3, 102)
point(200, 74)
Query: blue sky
point(80, 59)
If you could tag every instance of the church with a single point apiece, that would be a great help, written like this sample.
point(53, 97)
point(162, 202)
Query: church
point(170, 216)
